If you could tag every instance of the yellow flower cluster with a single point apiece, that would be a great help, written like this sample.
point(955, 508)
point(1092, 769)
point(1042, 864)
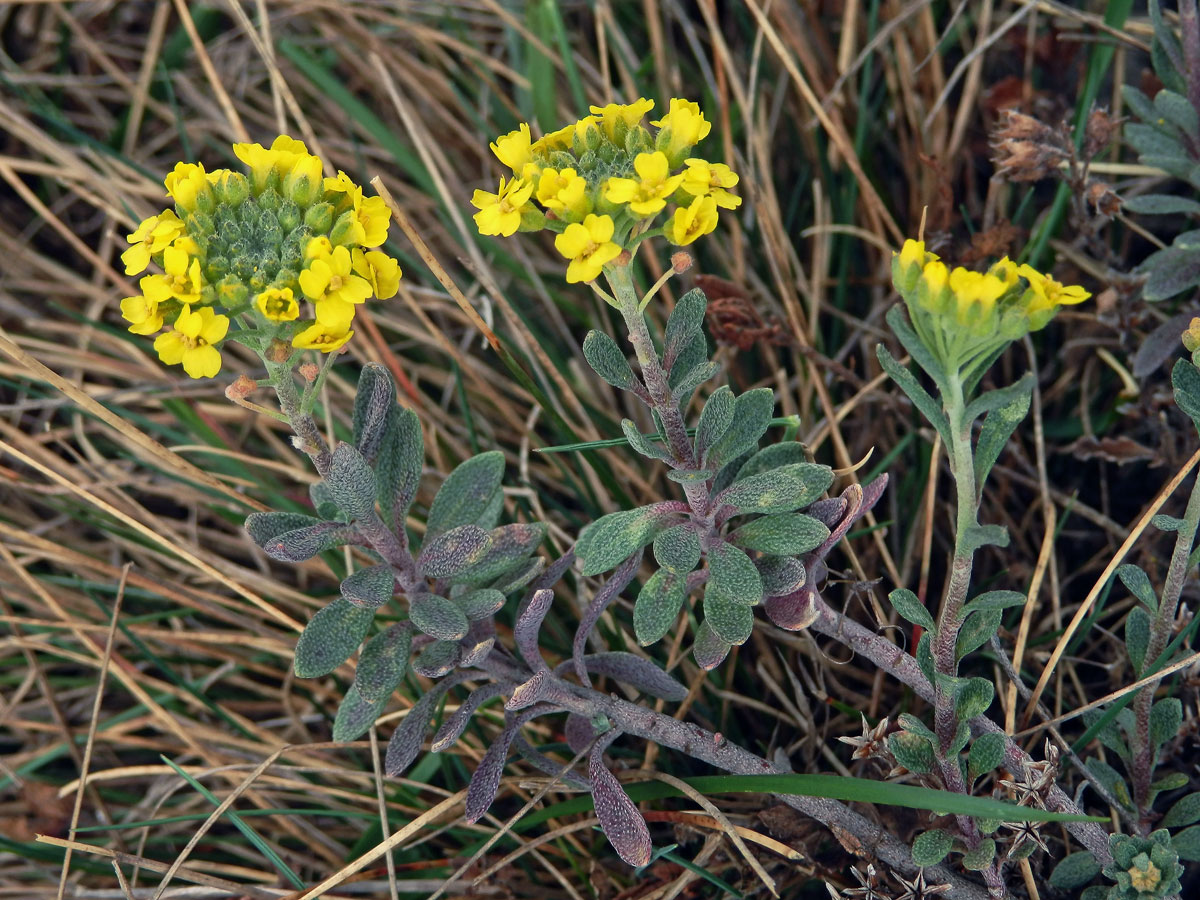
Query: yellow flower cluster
point(959, 312)
point(601, 182)
point(248, 248)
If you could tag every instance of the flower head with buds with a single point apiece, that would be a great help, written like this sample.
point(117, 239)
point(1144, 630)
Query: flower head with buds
point(605, 183)
point(240, 252)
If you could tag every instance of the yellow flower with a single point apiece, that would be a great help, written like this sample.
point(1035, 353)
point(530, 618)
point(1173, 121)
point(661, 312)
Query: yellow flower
point(500, 213)
point(514, 149)
point(374, 216)
point(588, 246)
point(343, 184)
point(304, 182)
point(682, 128)
point(278, 304)
point(143, 313)
point(153, 235)
point(692, 221)
point(1191, 337)
point(704, 179)
point(1006, 270)
point(913, 253)
point(320, 337)
point(330, 277)
point(191, 342)
point(319, 246)
point(629, 114)
point(1048, 293)
point(380, 271)
point(182, 280)
point(975, 294)
point(564, 138)
point(284, 153)
point(185, 183)
point(647, 194)
point(565, 192)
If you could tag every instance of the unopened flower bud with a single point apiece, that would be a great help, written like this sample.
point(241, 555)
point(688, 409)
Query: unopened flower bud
point(681, 261)
point(319, 217)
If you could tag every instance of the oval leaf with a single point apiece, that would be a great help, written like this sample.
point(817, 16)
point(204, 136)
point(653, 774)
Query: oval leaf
point(330, 637)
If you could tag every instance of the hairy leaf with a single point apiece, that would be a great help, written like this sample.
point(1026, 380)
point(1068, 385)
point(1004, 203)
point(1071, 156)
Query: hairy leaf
point(1137, 582)
point(709, 648)
point(486, 780)
point(912, 751)
point(297, 544)
point(479, 604)
point(977, 630)
point(616, 536)
point(437, 659)
point(973, 697)
point(636, 672)
point(351, 482)
point(1186, 380)
point(785, 453)
point(993, 600)
point(508, 551)
point(457, 721)
point(406, 740)
point(1074, 871)
point(684, 325)
point(781, 490)
point(470, 495)
point(608, 361)
point(678, 549)
point(438, 617)
point(911, 608)
point(750, 418)
point(355, 715)
point(715, 419)
point(398, 466)
point(997, 428)
point(731, 621)
point(657, 607)
point(931, 847)
point(620, 819)
point(1137, 637)
point(793, 611)
point(454, 552)
point(642, 444)
point(780, 575)
point(330, 637)
point(782, 535)
point(529, 623)
point(383, 661)
point(987, 752)
point(1185, 811)
point(609, 592)
point(732, 577)
point(1166, 718)
point(373, 403)
point(371, 587)
point(908, 383)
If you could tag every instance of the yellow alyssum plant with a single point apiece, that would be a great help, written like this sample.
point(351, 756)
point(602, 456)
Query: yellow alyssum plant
point(602, 183)
point(239, 253)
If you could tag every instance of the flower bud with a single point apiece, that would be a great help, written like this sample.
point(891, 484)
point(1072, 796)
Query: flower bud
point(319, 217)
point(681, 261)
point(232, 190)
point(346, 231)
point(288, 216)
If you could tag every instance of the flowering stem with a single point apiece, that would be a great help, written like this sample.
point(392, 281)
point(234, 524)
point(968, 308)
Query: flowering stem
point(309, 434)
point(1160, 635)
point(662, 401)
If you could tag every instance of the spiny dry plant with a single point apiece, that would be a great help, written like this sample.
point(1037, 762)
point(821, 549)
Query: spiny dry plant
point(901, 382)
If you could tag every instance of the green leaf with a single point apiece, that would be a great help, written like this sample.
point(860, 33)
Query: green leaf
point(993, 600)
point(437, 659)
point(678, 549)
point(1185, 812)
point(924, 657)
point(1137, 637)
point(1165, 523)
point(1186, 380)
point(789, 534)
point(355, 715)
point(973, 698)
point(371, 587)
point(613, 538)
point(383, 662)
point(1166, 718)
point(657, 607)
point(1170, 271)
point(1074, 871)
point(1160, 205)
point(643, 444)
point(908, 383)
point(715, 420)
point(690, 379)
point(732, 577)
point(509, 550)
point(480, 604)
point(351, 482)
point(454, 552)
point(1141, 105)
point(709, 649)
point(1187, 843)
point(730, 620)
point(781, 575)
point(1138, 583)
point(750, 418)
point(330, 637)
point(908, 605)
point(690, 476)
point(684, 325)
point(1110, 778)
point(470, 495)
point(373, 404)
point(931, 847)
point(777, 491)
point(962, 735)
point(997, 428)
point(912, 751)
point(438, 617)
point(977, 630)
point(897, 319)
point(987, 752)
point(785, 453)
point(1001, 398)
point(398, 466)
point(608, 361)
point(1178, 110)
point(984, 535)
point(981, 857)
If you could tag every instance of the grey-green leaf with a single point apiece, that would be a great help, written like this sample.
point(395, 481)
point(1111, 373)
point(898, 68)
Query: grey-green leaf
point(998, 427)
point(750, 419)
point(608, 361)
point(789, 534)
point(648, 447)
point(1137, 637)
point(613, 538)
point(779, 490)
point(911, 608)
point(351, 482)
point(437, 659)
point(685, 324)
point(438, 617)
point(371, 587)
point(398, 466)
point(1186, 380)
point(454, 551)
point(977, 630)
point(973, 698)
point(373, 404)
point(715, 420)
point(383, 662)
point(994, 600)
point(657, 607)
point(931, 847)
point(1185, 811)
point(987, 752)
point(470, 495)
point(678, 549)
point(731, 621)
point(480, 604)
point(330, 637)
point(780, 575)
point(785, 453)
point(355, 715)
point(912, 751)
point(709, 649)
point(1166, 718)
point(732, 577)
point(1074, 871)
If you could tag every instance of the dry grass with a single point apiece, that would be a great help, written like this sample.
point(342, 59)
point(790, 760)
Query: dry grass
point(139, 625)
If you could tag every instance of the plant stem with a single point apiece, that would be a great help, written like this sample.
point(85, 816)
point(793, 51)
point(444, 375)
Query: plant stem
point(662, 401)
point(1160, 634)
point(312, 442)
